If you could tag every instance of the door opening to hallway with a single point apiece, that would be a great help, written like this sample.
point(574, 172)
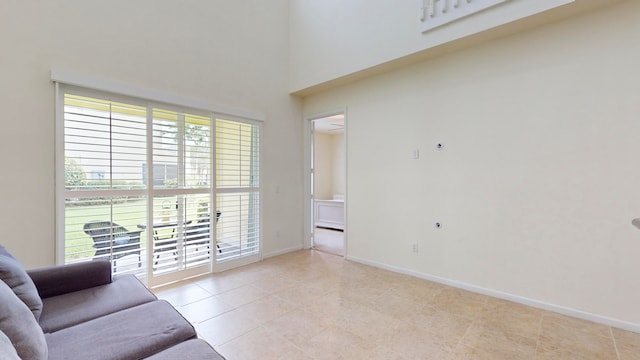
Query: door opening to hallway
point(328, 184)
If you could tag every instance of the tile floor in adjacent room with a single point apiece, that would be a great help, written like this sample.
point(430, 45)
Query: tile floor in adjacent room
point(328, 240)
point(314, 305)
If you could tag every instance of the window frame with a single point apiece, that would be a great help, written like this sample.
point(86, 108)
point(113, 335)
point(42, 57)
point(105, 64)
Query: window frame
point(66, 82)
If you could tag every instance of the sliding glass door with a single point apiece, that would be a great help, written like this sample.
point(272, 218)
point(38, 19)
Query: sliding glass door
point(162, 192)
point(180, 185)
point(238, 191)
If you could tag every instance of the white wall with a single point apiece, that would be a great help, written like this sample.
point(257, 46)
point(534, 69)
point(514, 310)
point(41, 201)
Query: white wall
point(221, 51)
point(323, 166)
point(329, 165)
point(335, 39)
point(337, 171)
point(539, 178)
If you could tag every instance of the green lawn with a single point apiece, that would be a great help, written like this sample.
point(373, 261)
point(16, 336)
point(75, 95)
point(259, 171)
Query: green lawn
point(129, 213)
point(80, 245)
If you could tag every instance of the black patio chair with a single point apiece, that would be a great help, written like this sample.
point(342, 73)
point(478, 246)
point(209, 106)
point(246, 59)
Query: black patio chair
point(113, 240)
point(198, 232)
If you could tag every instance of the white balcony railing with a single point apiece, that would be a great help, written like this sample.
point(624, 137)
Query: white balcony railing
point(436, 13)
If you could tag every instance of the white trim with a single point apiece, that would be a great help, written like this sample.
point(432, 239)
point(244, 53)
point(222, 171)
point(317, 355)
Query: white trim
point(149, 278)
point(213, 194)
point(66, 82)
point(325, 114)
point(59, 176)
point(307, 199)
point(307, 196)
point(175, 276)
point(102, 84)
point(345, 228)
point(605, 320)
point(238, 262)
point(282, 251)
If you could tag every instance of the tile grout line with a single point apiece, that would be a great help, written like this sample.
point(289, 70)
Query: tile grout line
point(535, 353)
point(615, 343)
point(210, 318)
point(461, 344)
point(375, 289)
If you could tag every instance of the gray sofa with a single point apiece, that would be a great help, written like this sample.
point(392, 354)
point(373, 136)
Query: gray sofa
point(79, 311)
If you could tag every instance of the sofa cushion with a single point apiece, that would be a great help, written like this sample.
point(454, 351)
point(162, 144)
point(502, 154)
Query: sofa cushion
point(19, 325)
point(195, 349)
point(7, 351)
point(62, 311)
point(14, 275)
point(61, 279)
point(132, 333)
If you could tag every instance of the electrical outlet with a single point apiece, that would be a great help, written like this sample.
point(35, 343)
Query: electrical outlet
point(414, 247)
point(278, 233)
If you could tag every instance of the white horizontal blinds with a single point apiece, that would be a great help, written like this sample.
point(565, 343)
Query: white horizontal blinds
point(181, 150)
point(104, 149)
point(139, 187)
point(164, 175)
point(181, 190)
point(166, 142)
point(199, 212)
point(199, 231)
point(238, 188)
point(197, 146)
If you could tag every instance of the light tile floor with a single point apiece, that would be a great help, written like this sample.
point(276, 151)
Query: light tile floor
point(314, 305)
point(328, 240)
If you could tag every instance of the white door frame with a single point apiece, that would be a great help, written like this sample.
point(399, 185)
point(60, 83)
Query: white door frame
point(308, 190)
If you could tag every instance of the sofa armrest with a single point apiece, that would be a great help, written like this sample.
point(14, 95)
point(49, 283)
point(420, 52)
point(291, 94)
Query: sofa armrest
point(62, 279)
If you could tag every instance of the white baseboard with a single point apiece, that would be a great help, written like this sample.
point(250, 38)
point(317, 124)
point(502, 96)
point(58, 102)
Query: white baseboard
point(282, 251)
point(502, 295)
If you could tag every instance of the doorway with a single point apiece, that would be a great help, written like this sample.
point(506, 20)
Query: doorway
point(328, 183)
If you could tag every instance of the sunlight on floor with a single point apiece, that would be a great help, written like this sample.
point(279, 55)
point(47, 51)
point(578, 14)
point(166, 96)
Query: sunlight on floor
point(313, 305)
